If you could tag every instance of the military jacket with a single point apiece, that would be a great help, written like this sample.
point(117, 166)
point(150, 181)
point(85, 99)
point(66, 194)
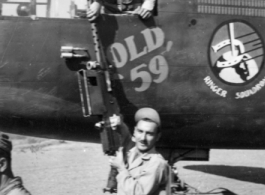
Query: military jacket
point(144, 175)
point(14, 187)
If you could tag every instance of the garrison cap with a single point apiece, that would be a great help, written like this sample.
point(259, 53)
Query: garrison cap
point(5, 143)
point(148, 113)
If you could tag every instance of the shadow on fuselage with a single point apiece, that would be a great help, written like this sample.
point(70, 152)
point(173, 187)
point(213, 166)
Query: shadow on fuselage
point(248, 174)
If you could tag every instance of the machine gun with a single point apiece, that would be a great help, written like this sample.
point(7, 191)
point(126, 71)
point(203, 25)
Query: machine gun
point(97, 94)
point(110, 138)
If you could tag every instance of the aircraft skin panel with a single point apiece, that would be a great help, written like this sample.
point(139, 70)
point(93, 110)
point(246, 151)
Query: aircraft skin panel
point(185, 84)
point(34, 81)
point(39, 95)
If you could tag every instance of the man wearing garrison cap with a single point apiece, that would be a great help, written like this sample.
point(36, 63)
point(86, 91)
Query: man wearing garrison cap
point(146, 172)
point(9, 185)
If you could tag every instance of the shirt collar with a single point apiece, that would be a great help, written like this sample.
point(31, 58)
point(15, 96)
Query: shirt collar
point(145, 156)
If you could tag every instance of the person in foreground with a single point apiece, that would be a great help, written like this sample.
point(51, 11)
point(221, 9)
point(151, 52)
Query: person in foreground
point(9, 185)
point(146, 171)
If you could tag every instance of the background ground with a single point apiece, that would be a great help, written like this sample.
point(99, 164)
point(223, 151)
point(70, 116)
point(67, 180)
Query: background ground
point(52, 167)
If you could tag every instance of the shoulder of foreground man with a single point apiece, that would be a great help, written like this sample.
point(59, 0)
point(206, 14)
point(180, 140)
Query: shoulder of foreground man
point(158, 159)
point(19, 191)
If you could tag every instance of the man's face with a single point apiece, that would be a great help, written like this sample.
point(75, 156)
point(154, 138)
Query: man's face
point(146, 135)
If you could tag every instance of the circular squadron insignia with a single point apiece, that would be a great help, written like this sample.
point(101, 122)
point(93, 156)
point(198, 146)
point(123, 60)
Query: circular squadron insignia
point(236, 53)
